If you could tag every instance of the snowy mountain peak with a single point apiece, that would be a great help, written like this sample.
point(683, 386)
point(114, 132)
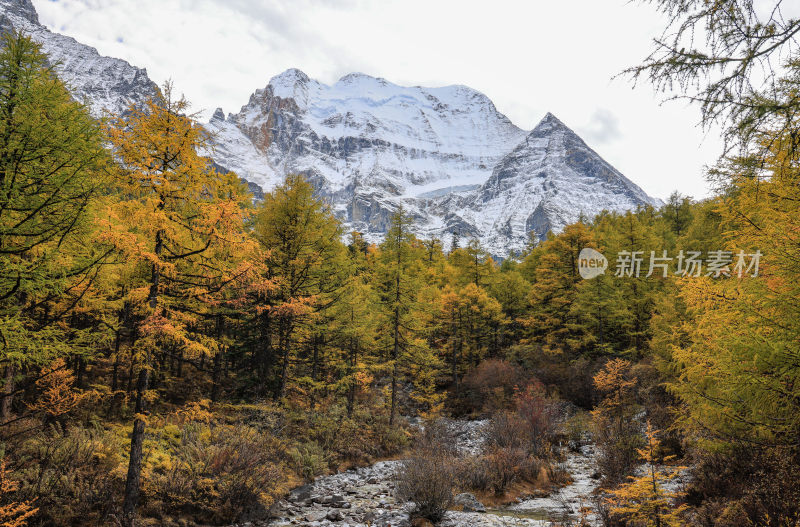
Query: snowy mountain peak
point(289, 78)
point(291, 84)
point(352, 78)
point(546, 182)
point(446, 154)
point(369, 146)
point(105, 83)
point(548, 123)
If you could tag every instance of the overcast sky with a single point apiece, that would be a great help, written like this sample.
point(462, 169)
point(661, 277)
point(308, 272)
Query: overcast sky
point(529, 57)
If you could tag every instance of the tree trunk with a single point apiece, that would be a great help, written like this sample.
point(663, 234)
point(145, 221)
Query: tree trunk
point(395, 354)
point(264, 351)
point(456, 352)
point(314, 370)
point(129, 381)
point(179, 368)
point(7, 397)
point(283, 345)
point(81, 370)
point(131, 498)
point(115, 372)
point(135, 464)
point(215, 379)
point(351, 390)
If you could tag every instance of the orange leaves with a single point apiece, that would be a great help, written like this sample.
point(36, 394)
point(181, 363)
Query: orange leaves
point(612, 379)
point(179, 226)
point(194, 411)
point(14, 514)
point(294, 307)
point(57, 393)
point(174, 331)
point(615, 382)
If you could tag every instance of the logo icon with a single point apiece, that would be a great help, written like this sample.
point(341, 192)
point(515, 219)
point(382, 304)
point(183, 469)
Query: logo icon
point(591, 263)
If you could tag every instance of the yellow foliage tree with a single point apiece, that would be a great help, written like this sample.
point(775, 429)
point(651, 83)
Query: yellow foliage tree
point(738, 367)
point(644, 501)
point(52, 170)
point(555, 277)
point(305, 258)
point(615, 428)
point(180, 224)
point(58, 395)
point(469, 321)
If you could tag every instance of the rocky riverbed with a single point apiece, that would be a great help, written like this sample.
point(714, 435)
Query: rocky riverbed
point(365, 497)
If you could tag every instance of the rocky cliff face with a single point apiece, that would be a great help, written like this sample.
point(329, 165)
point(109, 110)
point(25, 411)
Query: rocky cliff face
point(364, 143)
point(105, 83)
point(445, 154)
point(369, 146)
point(546, 182)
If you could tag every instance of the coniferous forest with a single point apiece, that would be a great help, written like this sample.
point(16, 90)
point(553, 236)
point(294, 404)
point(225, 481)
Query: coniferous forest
point(175, 352)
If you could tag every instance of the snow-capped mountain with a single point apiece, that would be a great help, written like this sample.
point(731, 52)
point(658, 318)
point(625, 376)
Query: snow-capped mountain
point(445, 154)
point(105, 83)
point(369, 146)
point(365, 143)
point(545, 183)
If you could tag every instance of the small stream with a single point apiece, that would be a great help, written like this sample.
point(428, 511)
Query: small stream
point(365, 497)
point(568, 501)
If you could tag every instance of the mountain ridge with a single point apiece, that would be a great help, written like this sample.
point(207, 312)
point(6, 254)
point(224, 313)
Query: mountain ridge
point(369, 146)
point(490, 180)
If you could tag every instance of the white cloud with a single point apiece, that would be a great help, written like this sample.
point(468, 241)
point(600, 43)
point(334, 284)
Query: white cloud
point(603, 127)
point(528, 57)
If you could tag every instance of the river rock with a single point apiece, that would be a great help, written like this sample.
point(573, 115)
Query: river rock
point(469, 503)
point(302, 493)
point(316, 516)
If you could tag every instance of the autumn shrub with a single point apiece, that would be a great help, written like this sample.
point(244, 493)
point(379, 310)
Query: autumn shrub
point(499, 468)
point(537, 413)
point(217, 473)
point(531, 426)
point(491, 386)
point(507, 430)
point(391, 439)
point(13, 513)
point(73, 474)
point(369, 435)
point(428, 477)
point(518, 442)
point(360, 438)
point(308, 459)
point(474, 473)
point(567, 376)
point(437, 436)
point(506, 465)
point(746, 485)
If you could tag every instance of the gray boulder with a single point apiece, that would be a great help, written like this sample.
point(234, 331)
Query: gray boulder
point(316, 516)
point(469, 503)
